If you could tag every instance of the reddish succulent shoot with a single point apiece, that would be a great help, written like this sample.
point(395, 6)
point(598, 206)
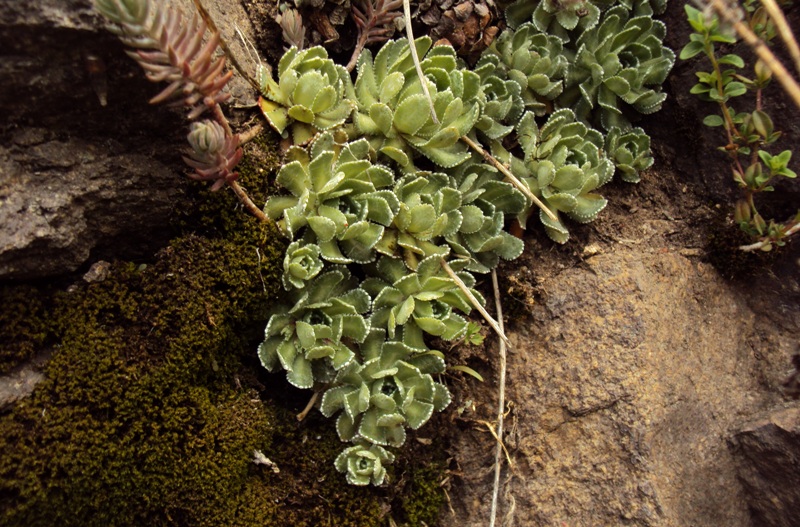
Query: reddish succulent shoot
point(214, 154)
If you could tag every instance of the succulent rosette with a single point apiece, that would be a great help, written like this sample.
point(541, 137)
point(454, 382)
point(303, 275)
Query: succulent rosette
point(564, 165)
point(335, 200)
point(392, 388)
point(309, 95)
point(364, 463)
point(533, 60)
point(630, 152)
point(422, 301)
point(301, 263)
point(486, 203)
point(310, 339)
point(619, 67)
point(394, 112)
point(560, 18)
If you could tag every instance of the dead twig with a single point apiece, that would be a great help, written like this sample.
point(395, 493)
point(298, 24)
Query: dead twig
point(474, 301)
point(763, 243)
point(371, 17)
point(251, 133)
point(509, 176)
point(760, 48)
point(224, 45)
point(248, 203)
point(501, 403)
point(302, 415)
point(422, 79)
point(784, 30)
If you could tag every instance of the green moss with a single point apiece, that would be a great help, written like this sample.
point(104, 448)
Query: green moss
point(308, 492)
point(138, 421)
point(427, 495)
point(23, 327)
point(142, 418)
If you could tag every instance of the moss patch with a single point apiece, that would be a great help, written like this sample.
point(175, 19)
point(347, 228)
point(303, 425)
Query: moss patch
point(138, 421)
point(426, 495)
point(23, 325)
point(154, 400)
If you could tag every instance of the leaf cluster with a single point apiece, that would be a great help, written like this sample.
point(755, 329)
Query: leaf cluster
point(749, 133)
point(360, 192)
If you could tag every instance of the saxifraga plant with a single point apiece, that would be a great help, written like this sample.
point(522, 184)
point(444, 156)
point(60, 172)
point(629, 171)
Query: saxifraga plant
point(389, 204)
point(749, 133)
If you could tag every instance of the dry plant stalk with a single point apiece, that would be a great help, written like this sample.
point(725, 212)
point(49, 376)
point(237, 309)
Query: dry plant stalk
point(760, 48)
point(501, 403)
point(784, 30)
point(474, 301)
point(758, 245)
point(423, 81)
point(224, 45)
point(509, 176)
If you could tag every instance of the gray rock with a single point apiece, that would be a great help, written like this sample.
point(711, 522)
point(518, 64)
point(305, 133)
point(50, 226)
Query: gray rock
point(80, 179)
point(769, 468)
point(20, 382)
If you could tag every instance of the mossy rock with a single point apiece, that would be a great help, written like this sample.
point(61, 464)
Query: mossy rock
point(154, 402)
point(137, 422)
point(23, 325)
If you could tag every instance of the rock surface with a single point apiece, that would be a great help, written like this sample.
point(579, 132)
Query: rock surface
point(632, 369)
point(769, 450)
point(80, 179)
point(625, 383)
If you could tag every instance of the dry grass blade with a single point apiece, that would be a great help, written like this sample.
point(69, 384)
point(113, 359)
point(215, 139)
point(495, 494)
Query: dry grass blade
point(492, 431)
point(500, 404)
point(509, 176)
point(228, 53)
point(474, 301)
point(787, 82)
point(784, 30)
point(423, 81)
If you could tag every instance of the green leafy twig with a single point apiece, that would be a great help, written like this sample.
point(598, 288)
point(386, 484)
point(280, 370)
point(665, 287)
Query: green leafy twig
point(748, 133)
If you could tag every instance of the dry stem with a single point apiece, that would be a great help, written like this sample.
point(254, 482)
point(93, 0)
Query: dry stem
point(302, 415)
point(784, 30)
point(474, 301)
point(415, 57)
point(509, 176)
point(248, 203)
point(224, 45)
point(758, 245)
point(500, 404)
point(789, 84)
point(251, 133)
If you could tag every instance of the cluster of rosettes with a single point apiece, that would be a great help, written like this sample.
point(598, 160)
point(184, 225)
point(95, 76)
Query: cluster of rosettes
point(363, 341)
point(389, 206)
point(382, 177)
